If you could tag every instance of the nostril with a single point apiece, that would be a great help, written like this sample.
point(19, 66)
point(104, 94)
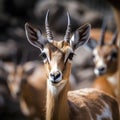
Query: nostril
point(52, 75)
point(101, 69)
point(57, 75)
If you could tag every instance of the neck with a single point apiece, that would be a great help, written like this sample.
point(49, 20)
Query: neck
point(57, 105)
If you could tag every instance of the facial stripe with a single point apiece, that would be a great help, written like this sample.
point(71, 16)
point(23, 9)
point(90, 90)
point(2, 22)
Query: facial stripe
point(67, 54)
point(47, 54)
point(98, 59)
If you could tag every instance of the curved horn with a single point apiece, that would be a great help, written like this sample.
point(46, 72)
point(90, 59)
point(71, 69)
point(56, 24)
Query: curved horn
point(114, 39)
point(101, 41)
point(68, 31)
point(47, 27)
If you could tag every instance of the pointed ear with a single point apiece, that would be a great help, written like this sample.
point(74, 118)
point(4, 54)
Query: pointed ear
point(81, 36)
point(91, 44)
point(34, 36)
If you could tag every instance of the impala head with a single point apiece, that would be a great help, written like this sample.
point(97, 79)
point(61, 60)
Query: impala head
point(57, 55)
point(105, 55)
point(14, 79)
point(17, 76)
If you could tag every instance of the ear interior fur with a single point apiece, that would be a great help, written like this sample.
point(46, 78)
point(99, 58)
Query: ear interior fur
point(34, 36)
point(81, 36)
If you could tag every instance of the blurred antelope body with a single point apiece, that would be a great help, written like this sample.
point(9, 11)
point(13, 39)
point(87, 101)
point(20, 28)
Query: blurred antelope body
point(28, 84)
point(87, 104)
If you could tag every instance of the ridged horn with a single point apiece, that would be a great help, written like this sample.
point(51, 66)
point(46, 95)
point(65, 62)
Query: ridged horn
point(101, 41)
point(114, 39)
point(47, 27)
point(68, 31)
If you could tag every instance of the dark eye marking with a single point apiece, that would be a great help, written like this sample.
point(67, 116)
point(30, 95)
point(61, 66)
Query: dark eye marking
point(70, 57)
point(29, 72)
point(113, 56)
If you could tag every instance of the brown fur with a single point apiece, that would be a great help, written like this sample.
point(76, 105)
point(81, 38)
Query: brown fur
point(116, 10)
point(82, 104)
point(103, 82)
point(89, 103)
point(32, 90)
point(58, 60)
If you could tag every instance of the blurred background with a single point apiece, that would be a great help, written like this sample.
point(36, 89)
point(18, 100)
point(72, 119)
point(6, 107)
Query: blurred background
point(15, 48)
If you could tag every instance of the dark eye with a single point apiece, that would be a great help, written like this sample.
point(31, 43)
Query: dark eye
point(114, 55)
point(43, 55)
point(71, 56)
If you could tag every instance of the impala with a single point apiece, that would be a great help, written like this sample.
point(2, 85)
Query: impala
point(105, 57)
point(27, 84)
point(116, 10)
point(84, 104)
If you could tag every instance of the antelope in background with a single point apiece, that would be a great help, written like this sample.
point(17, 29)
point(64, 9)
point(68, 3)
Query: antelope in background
point(116, 9)
point(87, 104)
point(27, 84)
point(105, 58)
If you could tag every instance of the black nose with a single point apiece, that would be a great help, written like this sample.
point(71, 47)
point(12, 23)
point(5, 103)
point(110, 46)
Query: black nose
point(55, 75)
point(101, 69)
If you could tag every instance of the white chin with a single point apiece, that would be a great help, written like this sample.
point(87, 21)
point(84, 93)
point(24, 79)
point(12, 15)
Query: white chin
point(56, 88)
point(96, 72)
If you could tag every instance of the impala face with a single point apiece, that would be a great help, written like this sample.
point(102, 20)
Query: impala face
point(105, 56)
point(57, 56)
point(105, 59)
point(14, 80)
point(17, 77)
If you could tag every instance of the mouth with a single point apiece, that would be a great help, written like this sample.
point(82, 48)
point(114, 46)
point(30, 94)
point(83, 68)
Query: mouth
point(55, 83)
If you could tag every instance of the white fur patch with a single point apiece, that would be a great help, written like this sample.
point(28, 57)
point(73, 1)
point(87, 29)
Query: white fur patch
point(112, 80)
point(56, 88)
point(96, 71)
point(106, 113)
point(99, 62)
